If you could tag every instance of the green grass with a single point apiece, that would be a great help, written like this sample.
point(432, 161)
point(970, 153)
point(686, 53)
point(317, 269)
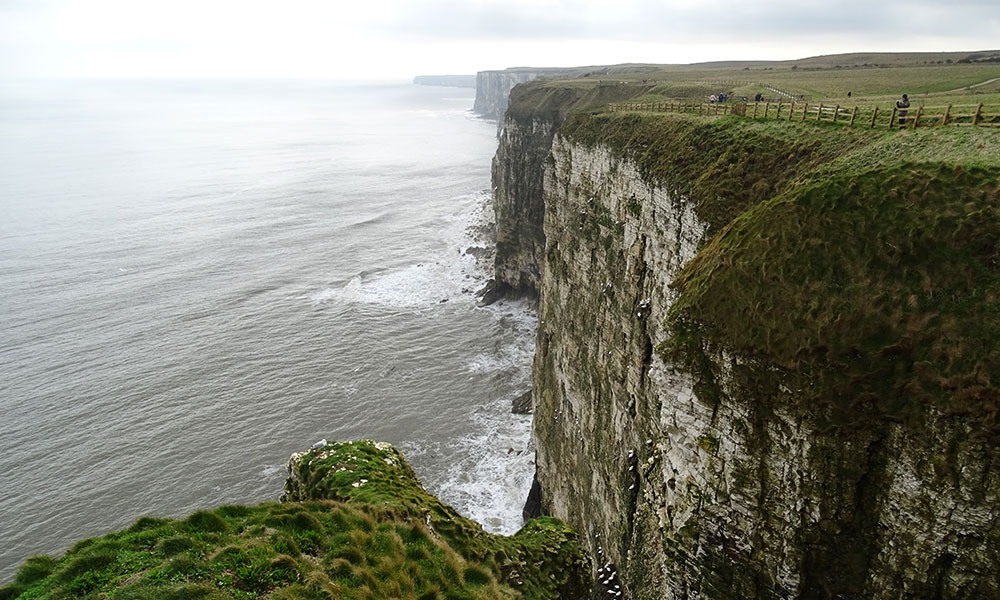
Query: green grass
point(872, 294)
point(384, 538)
point(729, 164)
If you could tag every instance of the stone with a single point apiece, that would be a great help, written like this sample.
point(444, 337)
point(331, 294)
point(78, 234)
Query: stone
point(522, 404)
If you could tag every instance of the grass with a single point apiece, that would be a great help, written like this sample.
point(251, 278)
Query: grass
point(869, 77)
point(730, 164)
point(329, 539)
point(872, 294)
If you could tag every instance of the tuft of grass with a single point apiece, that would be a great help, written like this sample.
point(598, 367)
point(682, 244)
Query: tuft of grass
point(35, 569)
point(176, 544)
point(206, 521)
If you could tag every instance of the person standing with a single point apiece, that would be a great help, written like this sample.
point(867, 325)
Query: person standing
point(902, 105)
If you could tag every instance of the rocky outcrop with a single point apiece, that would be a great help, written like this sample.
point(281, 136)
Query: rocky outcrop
point(708, 474)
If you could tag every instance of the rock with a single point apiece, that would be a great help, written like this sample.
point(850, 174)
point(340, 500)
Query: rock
point(522, 404)
point(489, 293)
point(533, 504)
point(477, 251)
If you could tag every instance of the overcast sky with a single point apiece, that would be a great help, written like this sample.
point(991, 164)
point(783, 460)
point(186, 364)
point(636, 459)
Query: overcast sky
point(374, 39)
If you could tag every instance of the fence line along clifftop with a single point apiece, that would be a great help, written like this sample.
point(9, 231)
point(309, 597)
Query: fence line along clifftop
point(867, 116)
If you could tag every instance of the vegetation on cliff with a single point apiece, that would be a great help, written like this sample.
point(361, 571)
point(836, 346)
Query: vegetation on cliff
point(853, 270)
point(873, 294)
point(354, 523)
point(729, 164)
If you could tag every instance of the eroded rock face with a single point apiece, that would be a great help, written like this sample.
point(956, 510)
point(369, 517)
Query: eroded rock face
point(493, 90)
point(517, 200)
point(695, 493)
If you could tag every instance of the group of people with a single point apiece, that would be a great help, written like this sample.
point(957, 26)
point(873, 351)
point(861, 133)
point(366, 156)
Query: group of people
point(725, 98)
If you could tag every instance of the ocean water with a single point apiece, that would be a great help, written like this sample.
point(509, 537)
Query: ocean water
point(199, 278)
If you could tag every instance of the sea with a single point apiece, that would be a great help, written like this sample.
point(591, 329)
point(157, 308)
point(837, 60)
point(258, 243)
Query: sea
point(199, 278)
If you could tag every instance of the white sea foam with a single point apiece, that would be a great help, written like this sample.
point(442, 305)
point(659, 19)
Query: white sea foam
point(519, 322)
point(491, 481)
point(451, 275)
point(270, 471)
point(490, 478)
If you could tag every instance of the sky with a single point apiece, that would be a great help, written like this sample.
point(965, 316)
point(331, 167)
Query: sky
point(397, 39)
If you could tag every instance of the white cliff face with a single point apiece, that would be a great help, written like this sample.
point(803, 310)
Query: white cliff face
point(703, 492)
point(493, 90)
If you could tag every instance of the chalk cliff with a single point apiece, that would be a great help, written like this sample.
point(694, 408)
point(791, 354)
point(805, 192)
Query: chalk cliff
point(493, 88)
point(518, 167)
point(750, 378)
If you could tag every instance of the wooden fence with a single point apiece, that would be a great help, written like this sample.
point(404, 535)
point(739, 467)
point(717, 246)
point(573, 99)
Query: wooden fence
point(870, 116)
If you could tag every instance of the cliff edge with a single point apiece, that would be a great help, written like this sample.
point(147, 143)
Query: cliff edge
point(765, 364)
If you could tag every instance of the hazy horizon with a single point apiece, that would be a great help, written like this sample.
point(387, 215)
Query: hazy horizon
point(396, 40)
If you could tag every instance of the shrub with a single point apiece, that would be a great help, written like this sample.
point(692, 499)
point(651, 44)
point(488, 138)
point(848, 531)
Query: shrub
point(208, 521)
point(35, 569)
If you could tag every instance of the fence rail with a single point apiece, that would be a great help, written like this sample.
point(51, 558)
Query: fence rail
point(868, 116)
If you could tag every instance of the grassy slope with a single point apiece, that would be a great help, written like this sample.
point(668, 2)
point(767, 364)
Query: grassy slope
point(355, 524)
point(858, 267)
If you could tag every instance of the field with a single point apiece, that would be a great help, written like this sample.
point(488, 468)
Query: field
point(928, 79)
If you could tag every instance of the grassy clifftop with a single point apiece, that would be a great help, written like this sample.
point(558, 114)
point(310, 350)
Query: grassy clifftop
point(855, 273)
point(354, 523)
point(729, 164)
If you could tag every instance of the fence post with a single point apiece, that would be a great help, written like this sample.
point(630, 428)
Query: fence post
point(916, 119)
point(767, 105)
point(755, 110)
point(874, 113)
point(853, 114)
point(791, 109)
point(805, 109)
point(777, 112)
point(892, 119)
point(979, 112)
point(944, 119)
point(836, 113)
point(819, 111)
